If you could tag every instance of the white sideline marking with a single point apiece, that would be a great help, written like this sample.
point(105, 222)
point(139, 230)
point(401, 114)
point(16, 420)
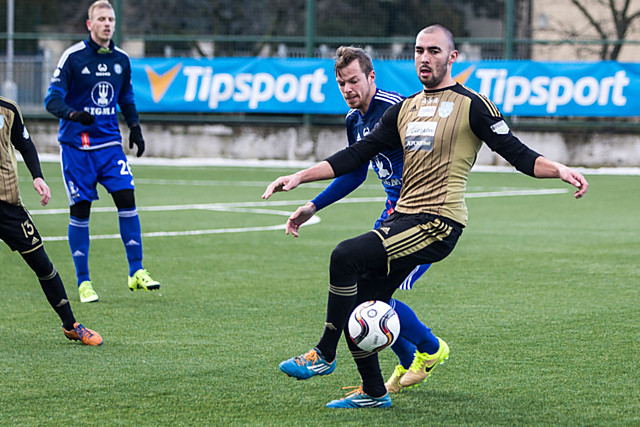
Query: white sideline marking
point(254, 207)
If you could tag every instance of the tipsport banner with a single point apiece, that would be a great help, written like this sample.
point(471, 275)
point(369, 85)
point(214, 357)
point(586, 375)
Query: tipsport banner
point(296, 86)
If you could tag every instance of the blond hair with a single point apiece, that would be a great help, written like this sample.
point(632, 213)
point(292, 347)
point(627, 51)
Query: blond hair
point(99, 4)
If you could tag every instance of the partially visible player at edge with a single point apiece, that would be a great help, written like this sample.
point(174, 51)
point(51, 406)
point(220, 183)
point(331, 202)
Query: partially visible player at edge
point(356, 79)
point(17, 229)
point(441, 130)
point(92, 78)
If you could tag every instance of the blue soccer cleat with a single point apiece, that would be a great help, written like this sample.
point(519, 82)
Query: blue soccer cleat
point(359, 399)
point(308, 365)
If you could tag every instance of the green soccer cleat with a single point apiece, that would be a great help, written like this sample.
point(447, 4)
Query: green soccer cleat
point(393, 383)
point(423, 364)
point(86, 292)
point(142, 280)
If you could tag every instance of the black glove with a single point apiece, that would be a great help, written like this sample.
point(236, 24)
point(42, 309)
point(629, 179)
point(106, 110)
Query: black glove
point(82, 116)
point(135, 137)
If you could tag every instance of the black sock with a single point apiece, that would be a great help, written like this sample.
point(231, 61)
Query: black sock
point(339, 306)
point(52, 285)
point(369, 368)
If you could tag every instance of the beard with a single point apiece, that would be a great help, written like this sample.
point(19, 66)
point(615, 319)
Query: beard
point(438, 73)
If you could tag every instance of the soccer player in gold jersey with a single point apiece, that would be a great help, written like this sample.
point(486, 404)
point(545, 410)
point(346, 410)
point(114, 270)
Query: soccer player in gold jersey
point(441, 130)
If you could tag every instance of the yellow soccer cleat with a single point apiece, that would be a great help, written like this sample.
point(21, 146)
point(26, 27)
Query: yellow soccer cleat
point(393, 383)
point(86, 292)
point(423, 364)
point(142, 280)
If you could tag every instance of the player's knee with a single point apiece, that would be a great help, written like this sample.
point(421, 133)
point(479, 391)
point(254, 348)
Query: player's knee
point(40, 263)
point(342, 255)
point(80, 210)
point(124, 199)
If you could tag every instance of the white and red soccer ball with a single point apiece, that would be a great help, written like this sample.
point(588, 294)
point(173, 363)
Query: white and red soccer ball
point(374, 325)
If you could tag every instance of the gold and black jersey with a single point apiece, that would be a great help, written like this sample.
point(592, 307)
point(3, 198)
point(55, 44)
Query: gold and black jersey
point(441, 132)
point(13, 133)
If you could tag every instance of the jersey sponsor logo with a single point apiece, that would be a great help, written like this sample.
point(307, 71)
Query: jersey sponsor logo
point(85, 70)
point(102, 70)
point(382, 166)
point(102, 95)
point(393, 182)
point(446, 108)
point(501, 128)
point(427, 111)
point(419, 136)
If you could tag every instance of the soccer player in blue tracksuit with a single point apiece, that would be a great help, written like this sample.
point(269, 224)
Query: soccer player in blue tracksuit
point(92, 78)
point(356, 79)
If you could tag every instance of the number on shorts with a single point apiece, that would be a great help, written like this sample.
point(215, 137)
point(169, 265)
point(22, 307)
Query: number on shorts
point(124, 168)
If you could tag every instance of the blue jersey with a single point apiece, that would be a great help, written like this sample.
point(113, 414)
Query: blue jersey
point(96, 80)
point(386, 164)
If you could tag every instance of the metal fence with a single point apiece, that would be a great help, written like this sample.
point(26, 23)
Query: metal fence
point(39, 30)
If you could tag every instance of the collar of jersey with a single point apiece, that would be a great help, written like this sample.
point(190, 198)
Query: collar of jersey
point(97, 48)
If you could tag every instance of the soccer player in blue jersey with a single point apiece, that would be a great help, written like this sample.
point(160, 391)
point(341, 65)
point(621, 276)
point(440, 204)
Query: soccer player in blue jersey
point(92, 78)
point(356, 78)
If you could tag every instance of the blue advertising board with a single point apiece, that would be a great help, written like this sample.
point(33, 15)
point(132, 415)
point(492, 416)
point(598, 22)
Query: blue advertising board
point(295, 86)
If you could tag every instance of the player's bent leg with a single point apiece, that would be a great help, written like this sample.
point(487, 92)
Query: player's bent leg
point(359, 399)
point(423, 364)
point(307, 365)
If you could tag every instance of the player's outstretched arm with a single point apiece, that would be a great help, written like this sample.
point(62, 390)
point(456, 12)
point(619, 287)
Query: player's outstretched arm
point(42, 189)
point(545, 168)
point(299, 217)
point(322, 170)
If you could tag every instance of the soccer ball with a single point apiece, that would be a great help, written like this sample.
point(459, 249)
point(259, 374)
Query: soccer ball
point(374, 325)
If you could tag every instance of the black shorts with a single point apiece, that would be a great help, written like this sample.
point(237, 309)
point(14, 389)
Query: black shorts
point(382, 258)
point(17, 229)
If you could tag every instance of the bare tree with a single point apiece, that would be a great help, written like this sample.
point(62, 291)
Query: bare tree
point(615, 26)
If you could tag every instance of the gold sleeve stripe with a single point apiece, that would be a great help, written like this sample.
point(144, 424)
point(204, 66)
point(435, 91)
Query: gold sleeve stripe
point(490, 105)
point(344, 291)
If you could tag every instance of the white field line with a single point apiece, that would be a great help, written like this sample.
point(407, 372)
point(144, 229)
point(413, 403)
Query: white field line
point(258, 208)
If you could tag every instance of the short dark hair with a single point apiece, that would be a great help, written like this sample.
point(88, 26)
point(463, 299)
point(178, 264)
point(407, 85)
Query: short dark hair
point(445, 30)
point(345, 55)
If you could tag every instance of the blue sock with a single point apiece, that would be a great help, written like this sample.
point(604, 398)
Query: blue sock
point(404, 349)
point(78, 234)
point(414, 330)
point(131, 237)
